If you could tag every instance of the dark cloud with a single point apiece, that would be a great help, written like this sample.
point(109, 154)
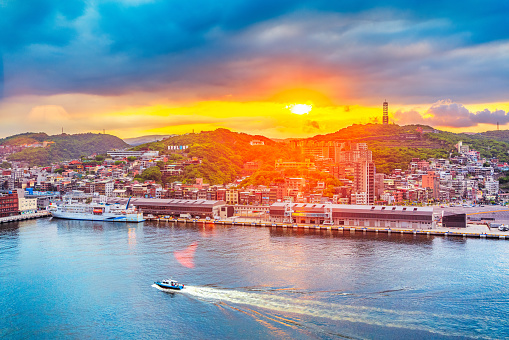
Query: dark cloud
point(23, 23)
point(417, 53)
point(449, 114)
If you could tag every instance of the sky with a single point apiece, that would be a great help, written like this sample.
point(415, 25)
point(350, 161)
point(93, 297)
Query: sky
point(279, 68)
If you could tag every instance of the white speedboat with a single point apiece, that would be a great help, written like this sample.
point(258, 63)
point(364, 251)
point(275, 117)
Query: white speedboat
point(169, 284)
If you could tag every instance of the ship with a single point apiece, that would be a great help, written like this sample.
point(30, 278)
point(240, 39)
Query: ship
point(96, 211)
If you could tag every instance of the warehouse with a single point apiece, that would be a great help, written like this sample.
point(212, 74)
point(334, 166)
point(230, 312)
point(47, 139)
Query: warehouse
point(353, 215)
point(176, 208)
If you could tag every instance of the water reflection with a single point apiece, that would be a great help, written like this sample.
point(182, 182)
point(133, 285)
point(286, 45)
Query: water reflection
point(131, 235)
point(9, 239)
point(9, 229)
point(422, 240)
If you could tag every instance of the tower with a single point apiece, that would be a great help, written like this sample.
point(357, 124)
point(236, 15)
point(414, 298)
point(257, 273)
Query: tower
point(386, 113)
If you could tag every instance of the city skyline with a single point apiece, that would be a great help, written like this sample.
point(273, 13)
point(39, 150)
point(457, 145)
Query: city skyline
point(283, 69)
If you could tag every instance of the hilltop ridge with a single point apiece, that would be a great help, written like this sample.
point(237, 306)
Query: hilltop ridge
point(60, 147)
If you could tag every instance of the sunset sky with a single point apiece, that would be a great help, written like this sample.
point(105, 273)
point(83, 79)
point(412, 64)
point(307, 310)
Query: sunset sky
point(277, 68)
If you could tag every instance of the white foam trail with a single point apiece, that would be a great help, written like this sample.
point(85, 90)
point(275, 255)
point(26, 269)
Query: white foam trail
point(415, 320)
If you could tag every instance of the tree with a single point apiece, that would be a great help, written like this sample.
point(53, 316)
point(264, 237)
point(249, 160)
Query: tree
point(131, 158)
point(161, 165)
point(152, 174)
point(5, 165)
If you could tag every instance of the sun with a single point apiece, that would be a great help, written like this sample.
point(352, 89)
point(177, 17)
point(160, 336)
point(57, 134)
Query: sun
point(299, 109)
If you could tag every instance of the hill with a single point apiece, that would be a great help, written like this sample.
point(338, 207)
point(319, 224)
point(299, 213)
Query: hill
point(145, 139)
point(61, 147)
point(224, 153)
point(394, 146)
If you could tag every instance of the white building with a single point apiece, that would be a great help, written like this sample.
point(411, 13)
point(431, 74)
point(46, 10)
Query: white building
point(491, 186)
point(26, 205)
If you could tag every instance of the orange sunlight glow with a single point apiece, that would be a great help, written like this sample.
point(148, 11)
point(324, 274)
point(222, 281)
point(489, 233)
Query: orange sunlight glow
point(299, 109)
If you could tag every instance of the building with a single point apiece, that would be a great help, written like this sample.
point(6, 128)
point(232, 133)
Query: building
point(354, 215)
point(364, 180)
point(451, 220)
point(379, 185)
point(307, 164)
point(9, 204)
point(124, 153)
point(357, 152)
point(491, 186)
point(26, 205)
point(432, 181)
point(295, 184)
point(104, 188)
point(232, 196)
point(120, 154)
point(385, 117)
point(175, 207)
point(359, 198)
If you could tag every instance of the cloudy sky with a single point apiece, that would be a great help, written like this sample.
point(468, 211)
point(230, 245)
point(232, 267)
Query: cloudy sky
point(282, 68)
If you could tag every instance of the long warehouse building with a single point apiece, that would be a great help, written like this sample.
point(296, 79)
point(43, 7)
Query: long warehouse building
point(353, 215)
point(176, 207)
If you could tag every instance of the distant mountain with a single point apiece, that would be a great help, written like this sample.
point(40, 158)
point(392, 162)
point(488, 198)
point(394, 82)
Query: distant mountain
point(60, 147)
point(145, 139)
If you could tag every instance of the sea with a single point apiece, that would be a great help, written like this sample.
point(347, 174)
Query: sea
point(62, 279)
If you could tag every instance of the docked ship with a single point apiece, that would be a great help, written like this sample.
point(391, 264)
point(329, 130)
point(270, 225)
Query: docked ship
point(98, 211)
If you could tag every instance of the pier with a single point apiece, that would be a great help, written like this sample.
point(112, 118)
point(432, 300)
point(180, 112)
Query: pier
point(477, 231)
point(24, 217)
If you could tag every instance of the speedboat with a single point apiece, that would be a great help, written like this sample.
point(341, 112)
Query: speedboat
point(169, 284)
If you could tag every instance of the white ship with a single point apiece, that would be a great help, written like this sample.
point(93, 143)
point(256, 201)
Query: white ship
point(101, 211)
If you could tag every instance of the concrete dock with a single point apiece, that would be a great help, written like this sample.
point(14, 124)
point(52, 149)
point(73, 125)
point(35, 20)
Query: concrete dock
point(477, 231)
point(24, 217)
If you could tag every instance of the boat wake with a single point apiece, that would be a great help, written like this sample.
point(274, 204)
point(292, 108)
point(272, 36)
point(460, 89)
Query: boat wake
point(443, 324)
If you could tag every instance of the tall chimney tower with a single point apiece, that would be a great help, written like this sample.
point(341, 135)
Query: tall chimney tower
point(386, 113)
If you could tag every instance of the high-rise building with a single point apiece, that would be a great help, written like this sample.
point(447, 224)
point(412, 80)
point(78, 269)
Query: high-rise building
point(432, 181)
point(357, 152)
point(364, 180)
point(386, 113)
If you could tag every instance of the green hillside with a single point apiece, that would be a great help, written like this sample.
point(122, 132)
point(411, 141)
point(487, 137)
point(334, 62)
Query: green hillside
point(65, 147)
point(224, 153)
point(394, 146)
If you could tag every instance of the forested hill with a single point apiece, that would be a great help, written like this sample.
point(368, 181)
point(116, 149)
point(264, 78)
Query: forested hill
point(224, 153)
point(394, 146)
point(64, 146)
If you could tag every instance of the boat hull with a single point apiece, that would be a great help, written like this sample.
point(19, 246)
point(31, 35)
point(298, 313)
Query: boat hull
point(127, 218)
point(162, 285)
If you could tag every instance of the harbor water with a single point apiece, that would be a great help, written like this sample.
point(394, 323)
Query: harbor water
point(82, 279)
